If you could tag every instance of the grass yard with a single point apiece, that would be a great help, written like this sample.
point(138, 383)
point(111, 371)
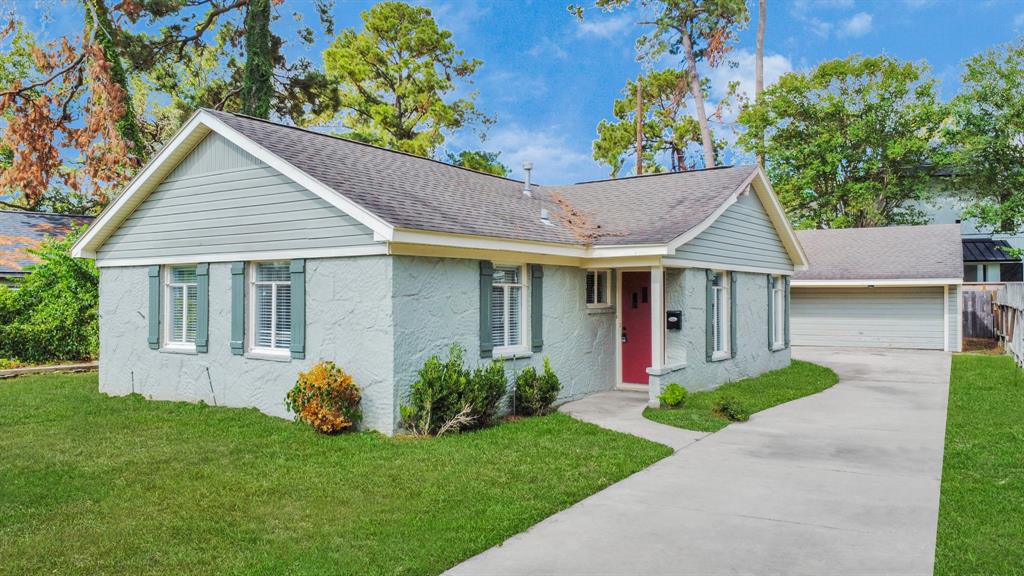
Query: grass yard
point(797, 380)
point(981, 516)
point(91, 484)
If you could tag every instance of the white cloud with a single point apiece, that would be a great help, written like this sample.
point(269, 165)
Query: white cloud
point(857, 25)
point(607, 27)
point(554, 160)
point(548, 48)
point(459, 16)
point(1018, 21)
point(775, 65)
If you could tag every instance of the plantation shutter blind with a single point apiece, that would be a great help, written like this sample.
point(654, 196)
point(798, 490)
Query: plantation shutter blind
point(202, 307)
point(237, 308)
point(537, 307)
point(486, 336)
point(298, 308)
point(733, 276)
point(154, 307)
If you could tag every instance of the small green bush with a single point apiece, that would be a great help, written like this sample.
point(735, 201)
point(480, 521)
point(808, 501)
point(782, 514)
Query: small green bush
point(535, 393)
point(447, 397)
point(730, 408)
point(673, 396)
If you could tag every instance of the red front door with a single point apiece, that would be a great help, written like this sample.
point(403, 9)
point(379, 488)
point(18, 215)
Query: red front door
point(636, 326)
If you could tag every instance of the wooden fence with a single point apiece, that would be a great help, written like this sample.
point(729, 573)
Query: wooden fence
point(1008, 312)
point(979, 317)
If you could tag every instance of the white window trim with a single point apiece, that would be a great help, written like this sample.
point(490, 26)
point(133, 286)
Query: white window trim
point(607, 287)
point(523, 348)
point(724, 316)
point(168, 304)
point(779, 312)
point(262, 351)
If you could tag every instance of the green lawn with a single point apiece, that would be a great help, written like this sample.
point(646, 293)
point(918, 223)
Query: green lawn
point(797, 380)
point(98, 485)
point(981, 517)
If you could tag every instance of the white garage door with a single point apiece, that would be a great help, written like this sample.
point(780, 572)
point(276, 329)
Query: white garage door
point(868, 317)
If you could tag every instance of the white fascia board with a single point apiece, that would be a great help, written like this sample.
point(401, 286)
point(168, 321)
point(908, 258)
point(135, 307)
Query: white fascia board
point(878, 282)
point(486, 243)
point(194, 130)
point(337, 252)
point(692, 233)
point(628, 250)
point(778, 216)
point(682, 263)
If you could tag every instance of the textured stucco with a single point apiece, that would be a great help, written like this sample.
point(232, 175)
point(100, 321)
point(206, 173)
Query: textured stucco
point(688, 287)
point(437, 303)
point(348, 320)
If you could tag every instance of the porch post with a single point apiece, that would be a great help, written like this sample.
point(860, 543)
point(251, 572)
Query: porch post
point(657, 329)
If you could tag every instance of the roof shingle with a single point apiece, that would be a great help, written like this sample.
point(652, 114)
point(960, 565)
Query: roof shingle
point(889, 253)
point(22, 231)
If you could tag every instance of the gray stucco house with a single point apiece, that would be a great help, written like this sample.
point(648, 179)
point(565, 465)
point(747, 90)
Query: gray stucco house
point(246, 251)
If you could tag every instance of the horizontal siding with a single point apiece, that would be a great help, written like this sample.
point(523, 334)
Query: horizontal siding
point(742, 236)
point(221, 199)
point(952, 302)
point(868, 317)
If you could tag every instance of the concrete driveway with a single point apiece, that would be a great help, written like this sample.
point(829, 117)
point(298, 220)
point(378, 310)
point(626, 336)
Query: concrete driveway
point(842, 482)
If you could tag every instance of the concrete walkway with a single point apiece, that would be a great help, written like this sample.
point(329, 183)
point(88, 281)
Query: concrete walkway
point(842, 482)
point(623, 412)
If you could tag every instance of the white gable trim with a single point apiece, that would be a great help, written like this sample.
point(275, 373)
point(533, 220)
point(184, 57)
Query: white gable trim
point(193, 132)
point(772, 207)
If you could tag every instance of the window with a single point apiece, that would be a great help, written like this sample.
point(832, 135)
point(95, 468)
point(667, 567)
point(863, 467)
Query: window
point(778, 305)
point(271, 299)
point(180, 311)
point(720, 315)
point(598, 288)
point(507, 309)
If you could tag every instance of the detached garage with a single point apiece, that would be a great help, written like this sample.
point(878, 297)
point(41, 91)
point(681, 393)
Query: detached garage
point(893, 287)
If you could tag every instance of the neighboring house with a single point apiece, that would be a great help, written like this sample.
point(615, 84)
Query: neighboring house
point(247, 250)
point(892, 287)
point(21, 232)
point(983, 254)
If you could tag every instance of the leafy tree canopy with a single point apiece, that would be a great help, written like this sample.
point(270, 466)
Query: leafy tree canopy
point(986, 137)
point(396, 78)
point(849, 143)
point(480, 161)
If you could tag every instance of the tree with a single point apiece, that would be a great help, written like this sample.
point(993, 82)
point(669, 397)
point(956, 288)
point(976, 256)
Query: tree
point(395, 79)
point(986, 137)
point(762, 17)
point(259, 85)
point(850, 143)
point(667, 129)
point(480, 161)
point(702, 30)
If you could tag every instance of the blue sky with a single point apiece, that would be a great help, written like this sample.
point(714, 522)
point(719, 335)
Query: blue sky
point(549, 79)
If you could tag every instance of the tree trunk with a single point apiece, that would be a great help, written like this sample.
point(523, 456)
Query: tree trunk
point(698, 101)
point(103, 32)
point(639, 126)
point(258, 87)
point(762, 16)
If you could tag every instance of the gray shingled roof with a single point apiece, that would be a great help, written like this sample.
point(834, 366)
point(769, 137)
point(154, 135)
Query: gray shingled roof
point(23, 231)
point(422, 194)
point(894, 252)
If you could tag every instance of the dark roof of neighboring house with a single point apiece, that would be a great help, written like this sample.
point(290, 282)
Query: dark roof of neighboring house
point(21, 231)
point(888, 253)
point(419, 193)
point(986, 250)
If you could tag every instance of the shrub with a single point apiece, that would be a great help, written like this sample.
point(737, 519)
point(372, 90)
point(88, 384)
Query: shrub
point(447, 397)
point(673, 396)
point(535, 393)
point(326, 398)
point(732, 409)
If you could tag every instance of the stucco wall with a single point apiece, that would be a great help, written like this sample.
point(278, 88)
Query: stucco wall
point(752, 357)
point(348, 320)
point(437, 302)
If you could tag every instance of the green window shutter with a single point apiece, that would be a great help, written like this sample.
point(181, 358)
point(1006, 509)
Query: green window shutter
point(771, 310)
point(154, 307)
point(298, 276)
point(536, 307)
point(237, 308)
point(733, 276)
point(709, 342)
point(786, 312)
point(202, 307)
point(486, 278)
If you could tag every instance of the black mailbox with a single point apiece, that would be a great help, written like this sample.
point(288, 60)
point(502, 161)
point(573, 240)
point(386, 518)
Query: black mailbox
point(674, 320)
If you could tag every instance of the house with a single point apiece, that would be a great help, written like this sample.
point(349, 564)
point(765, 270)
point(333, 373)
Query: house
point(985, 259)
point(891, 287)
point(21, 232)
point(248, 250)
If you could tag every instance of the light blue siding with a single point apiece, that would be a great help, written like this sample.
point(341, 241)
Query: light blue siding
point(952, 304)
point(869, 317)
point(742, 236)
point(222, 199)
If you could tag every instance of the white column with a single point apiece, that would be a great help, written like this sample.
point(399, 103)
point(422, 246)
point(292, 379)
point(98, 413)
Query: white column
point(657, 317)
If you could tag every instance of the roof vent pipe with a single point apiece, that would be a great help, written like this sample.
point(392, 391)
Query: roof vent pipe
point(527, 166)
point(545, 216)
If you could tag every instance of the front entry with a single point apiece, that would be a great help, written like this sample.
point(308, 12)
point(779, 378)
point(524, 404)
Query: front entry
point(636, 327)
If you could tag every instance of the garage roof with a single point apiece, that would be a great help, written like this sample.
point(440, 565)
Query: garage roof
point(889, 253)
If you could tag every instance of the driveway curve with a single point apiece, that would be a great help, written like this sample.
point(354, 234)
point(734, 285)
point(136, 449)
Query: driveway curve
point(842, 482)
